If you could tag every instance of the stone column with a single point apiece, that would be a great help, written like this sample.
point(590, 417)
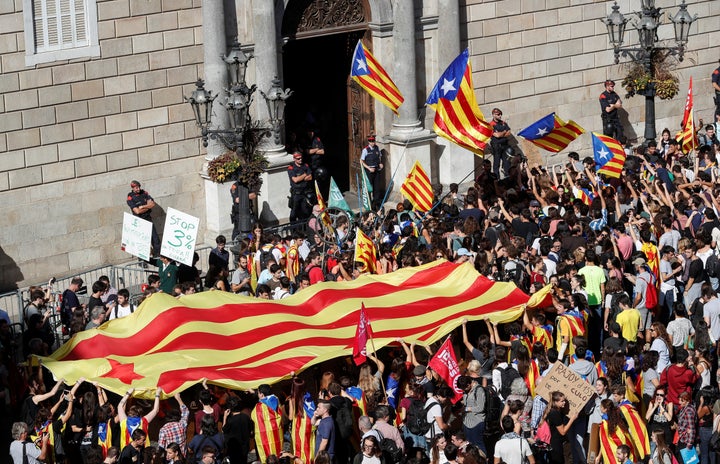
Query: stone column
point(217, 196)
point(271, 207)
point(405, 74)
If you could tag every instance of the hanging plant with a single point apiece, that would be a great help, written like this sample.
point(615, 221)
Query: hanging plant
point(664, 83)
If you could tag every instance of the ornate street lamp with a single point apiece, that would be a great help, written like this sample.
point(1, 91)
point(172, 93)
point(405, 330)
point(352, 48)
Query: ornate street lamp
point(237, 104)
point(275, 99)
point(647, 52)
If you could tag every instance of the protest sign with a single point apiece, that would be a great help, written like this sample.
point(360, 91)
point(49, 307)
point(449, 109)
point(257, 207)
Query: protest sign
point(563, 379)
point(136, 236)
point(179, 236)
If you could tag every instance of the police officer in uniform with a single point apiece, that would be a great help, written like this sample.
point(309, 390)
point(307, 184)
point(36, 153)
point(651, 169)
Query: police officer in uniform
point(316, 150)
point(300, 185)
point(371, 160)
point(609, 104)
point(141, 205)
point(500, 143)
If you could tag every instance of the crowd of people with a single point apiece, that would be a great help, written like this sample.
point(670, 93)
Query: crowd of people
point(633, 310)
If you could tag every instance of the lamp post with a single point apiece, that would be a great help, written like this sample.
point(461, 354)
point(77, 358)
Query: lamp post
point(237, 104)
point(275, 100)
point(647, 51)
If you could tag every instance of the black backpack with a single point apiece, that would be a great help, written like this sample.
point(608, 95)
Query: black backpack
point(132, 309)
point(416, 421)
point(712, 266)
point(493, 409)
point(507, 376)
point(265, 256)
point(344, 421)
point(390, 450)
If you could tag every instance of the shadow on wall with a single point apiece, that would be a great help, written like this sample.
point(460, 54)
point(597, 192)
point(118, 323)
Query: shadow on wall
point(628, 129)
point(10, 273)
point(158, 215)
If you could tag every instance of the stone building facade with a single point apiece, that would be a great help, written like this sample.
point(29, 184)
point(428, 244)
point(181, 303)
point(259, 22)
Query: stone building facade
point(81, 118)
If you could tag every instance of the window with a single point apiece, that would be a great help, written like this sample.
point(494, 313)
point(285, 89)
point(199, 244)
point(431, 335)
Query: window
point(60, 30)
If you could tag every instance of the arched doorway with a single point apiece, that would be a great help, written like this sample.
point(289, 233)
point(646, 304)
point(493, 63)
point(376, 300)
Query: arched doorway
point(320, 37)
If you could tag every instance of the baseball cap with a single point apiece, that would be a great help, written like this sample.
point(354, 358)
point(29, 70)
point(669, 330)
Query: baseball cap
point(134, 183)
point(638, 261)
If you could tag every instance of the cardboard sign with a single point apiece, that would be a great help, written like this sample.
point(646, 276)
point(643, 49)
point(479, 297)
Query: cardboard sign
point(136, 236)
point(179, 236)
point(563, 379)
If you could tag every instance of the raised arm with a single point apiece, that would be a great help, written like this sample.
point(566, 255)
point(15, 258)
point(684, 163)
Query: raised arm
point(156, 406)
point(37, 399)
point(380, 364)
point(121, 416)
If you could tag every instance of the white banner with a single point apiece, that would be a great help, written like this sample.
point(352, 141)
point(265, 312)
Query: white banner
point(136, 236)
point(179, 236)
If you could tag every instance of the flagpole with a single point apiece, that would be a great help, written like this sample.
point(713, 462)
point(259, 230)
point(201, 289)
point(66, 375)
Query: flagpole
point(446, 195)
point(392, 179)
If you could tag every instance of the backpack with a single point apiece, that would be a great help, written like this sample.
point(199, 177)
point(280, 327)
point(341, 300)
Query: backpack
point(507, 376)
point(132, 309)
point(493, 409)
point(651, 296)
point(390, 450)
point(266, 253)
point(712, 266)
point(416, 420)
point(344, 421)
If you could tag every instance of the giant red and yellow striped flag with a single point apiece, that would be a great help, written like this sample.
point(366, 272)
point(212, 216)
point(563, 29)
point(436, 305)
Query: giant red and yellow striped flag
point(457, 115)
point(241, 342)
point(367, 71)
point(417, 188)
point(365, 251)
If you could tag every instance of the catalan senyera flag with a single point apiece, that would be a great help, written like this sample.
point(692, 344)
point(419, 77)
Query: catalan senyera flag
point(457, 115)
point(241, 342)
point(365, 251)
point(552, 133)
point(367, 71)
point(609, 155)
point(417, 188)
point(362, 335)
point(445, 364)
point(268, 430)
point(687, 136)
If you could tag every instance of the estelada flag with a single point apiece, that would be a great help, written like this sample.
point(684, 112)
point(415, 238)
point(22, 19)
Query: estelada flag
point(457, 115)
point(303, 438)
point(417, 188)
point(609, 155)
point(268, 431)
point(365, 251)
point(241, 342)
point(552, 133)
point(445, 364)
point(362, 334)
point(367, 71)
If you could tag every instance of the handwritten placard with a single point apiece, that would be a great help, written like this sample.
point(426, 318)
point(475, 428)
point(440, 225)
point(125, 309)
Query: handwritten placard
point(136, 236)
point(179, 236)
point(563, 379)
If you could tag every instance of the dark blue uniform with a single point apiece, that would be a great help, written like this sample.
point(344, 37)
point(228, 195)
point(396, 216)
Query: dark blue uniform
point(499, 146)
point(299, 205)
point(135, 200)
point(611, 120)
point(372, 157)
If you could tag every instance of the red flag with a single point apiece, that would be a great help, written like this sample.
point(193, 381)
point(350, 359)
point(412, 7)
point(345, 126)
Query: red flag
point(445, 364)
point(688, 105)
point(362, 334)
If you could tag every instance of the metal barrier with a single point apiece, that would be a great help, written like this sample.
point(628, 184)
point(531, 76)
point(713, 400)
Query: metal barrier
point(130, 275)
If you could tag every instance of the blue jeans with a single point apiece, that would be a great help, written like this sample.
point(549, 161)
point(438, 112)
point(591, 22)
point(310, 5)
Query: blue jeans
point(417, 441)
point(476, 436)
point(706, 456)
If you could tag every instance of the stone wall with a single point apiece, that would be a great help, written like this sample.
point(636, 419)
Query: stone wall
point(74, 133)
point(532, 57)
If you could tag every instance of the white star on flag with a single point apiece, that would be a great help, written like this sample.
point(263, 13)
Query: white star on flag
point(361, 65)
point(542, 131)
point(447, 86)
point(603, 153)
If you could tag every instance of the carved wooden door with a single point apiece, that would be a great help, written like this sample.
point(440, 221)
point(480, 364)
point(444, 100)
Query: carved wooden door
point(361, 123)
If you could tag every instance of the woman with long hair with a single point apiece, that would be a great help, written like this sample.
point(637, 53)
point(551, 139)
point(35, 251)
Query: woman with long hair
point(686, 418)
point(613, 290)
point(370, 452)
point(173, 454)
point(613, 433)
point(705, 416)
point(662, 344)
point(659, 415)
point(437, 450)
point(661, 453)
point(650, 377)
point(702, 366)
point(302, 408)
point(560, 424)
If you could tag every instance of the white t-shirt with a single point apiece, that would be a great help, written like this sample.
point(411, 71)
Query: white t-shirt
point(512, 450)
point(122, 311)
point(711, 310)
point(662, 349)
point(31, 451)
point(433, 412)
point(679, 330)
